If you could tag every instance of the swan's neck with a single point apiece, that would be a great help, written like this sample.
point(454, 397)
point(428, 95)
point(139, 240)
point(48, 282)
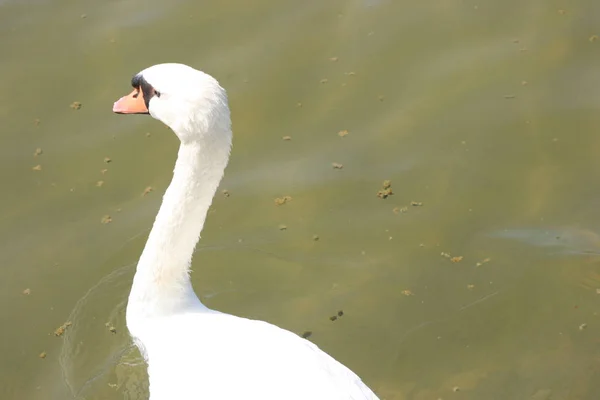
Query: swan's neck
point(161, 285)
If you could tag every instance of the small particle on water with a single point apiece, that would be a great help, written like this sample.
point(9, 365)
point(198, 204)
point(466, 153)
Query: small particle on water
point(147, 190)
point(337, 165)
point(598, 291)
point(380, 97)
point(456, 389)
point(286, 138)
point(76, 105)
point(61, 329)
point(480, 263)
point(106, 219)
point(593, 38)
point(103, 171)
point(226, 193)
point(456, 259)
point(36, 121)
point(306, 334)
point(562, 12)
point(386, 190)
point(416, 203)
point(107, 160)
point(282, 200)
point(445, 255)
point(37, 168)
point(83, 16)
point(38, 152)
point(470, 286)
point(333, 318)
point(407, 292)
point(42, 355)
point(524, 83)
point(148, 134)
point(509, 96)
point(350, 73)
point(99, 183)
point(333, 59)
point(340, 313)
point(316, 239)
point(298, 104)
point(324, 80)
point(582, 327)
point(112, 385)
point(111, 328)
point(342, 133)
point(282, 227)
point(27, 292)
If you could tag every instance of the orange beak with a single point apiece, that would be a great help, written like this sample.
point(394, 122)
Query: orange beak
point(133, 103)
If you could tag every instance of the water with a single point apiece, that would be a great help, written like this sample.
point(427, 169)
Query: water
point(484, 112)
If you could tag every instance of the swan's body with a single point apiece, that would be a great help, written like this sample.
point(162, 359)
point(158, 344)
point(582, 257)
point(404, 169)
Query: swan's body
point(194, 353)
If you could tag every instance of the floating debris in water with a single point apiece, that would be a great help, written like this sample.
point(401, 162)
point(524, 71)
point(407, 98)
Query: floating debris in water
point(282, 200)
point(524, 83)
point(76, 105)
point(38, 152)
point(298, 104)
point(470, 287)
point(103, 171)
point(342, 133)
point(386, 190)
point(37, 168)
point(27, 292)
point(36, 121)
point(397, 210)
point(350, 73)
point(316, 239)
point(582, 327)
point(286, 138)
point(42, 355)
point(111, 328)
point(340, 313)
point(333, 59)
point(480, 263)
point(83, 16)
point(226, 193)
point(456, 259)
point(337, 165)
point(107, 160)
point(106, 219)
point(147, 190)
point(456, 389)
point(416, 203)
point(598, 291)
point(306, 334)
point(324, 80)
point(99, 183)
point(509, 96)
point(380, 97)
point(562, 12)
point(333, 318)
point(282, 227)
point(593, 38)
point(407, 292)
point(61, 329)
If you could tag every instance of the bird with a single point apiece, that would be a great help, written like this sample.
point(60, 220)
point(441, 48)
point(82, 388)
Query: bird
point(193, 352)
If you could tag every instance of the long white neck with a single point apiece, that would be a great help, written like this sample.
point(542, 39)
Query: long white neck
point(162, 285)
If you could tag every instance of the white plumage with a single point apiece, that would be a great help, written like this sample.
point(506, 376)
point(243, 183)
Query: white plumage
point(194, 353)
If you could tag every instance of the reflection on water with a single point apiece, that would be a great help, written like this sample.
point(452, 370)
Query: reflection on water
point(484, 112)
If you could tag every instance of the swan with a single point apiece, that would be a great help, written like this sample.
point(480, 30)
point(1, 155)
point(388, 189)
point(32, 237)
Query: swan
point(191, 351)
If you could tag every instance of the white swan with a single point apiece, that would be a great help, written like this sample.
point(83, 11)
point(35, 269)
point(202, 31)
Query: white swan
point(194, 353)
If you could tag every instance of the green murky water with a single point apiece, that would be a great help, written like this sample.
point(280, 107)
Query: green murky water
point(484, 111)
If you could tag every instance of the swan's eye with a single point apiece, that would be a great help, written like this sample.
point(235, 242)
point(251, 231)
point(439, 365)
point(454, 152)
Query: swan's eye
point(137, 93)
point(157, 93)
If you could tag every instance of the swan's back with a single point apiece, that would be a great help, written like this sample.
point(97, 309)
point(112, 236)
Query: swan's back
point(210, 355)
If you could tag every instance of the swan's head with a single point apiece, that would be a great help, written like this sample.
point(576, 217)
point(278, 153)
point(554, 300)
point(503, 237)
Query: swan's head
point(190, 102)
